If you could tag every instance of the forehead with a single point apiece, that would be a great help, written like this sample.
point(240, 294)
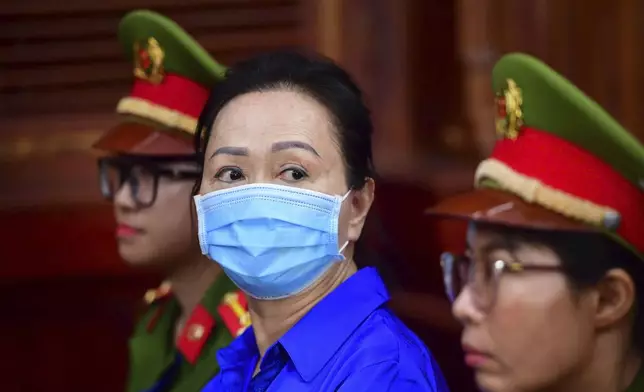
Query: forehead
point(252, 118)
point(478, 235)
point(487, 237)
point(151, 162)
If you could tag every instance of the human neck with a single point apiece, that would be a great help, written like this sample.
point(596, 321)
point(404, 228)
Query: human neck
point(272, 318)
point(610, 370)
point(190, 281)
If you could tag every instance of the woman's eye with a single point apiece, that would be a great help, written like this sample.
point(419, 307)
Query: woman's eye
point(141, 173)
point(293, 174)
point(230, 174)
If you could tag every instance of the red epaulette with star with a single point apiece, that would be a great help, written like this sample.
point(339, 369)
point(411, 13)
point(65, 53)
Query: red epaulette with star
point(195, 333)
point(200, 324)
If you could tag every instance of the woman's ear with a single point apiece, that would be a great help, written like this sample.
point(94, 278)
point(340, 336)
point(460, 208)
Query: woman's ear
point(615, 298)
point(361, 201)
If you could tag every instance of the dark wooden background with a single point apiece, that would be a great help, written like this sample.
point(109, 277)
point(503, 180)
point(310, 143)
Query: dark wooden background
point(67, 301)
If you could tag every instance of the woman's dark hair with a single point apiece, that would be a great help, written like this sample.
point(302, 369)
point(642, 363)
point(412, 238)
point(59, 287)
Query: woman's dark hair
point(585, 258)
point(321, 79)
point(310, 74)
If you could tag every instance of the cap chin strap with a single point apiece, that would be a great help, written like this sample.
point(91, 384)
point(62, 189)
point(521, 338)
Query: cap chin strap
point(168, 117)
point(534, 191)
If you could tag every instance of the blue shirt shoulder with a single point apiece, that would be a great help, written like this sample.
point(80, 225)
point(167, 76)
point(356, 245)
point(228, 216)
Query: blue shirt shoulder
point(383, 355)
point(349, 341)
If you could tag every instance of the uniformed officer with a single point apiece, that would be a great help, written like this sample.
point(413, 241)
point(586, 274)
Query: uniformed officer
point(149, 174)
point(551, 286)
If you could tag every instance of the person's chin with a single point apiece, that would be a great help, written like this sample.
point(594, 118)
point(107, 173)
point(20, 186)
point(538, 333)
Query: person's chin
point(134, 256)
point(492, 382)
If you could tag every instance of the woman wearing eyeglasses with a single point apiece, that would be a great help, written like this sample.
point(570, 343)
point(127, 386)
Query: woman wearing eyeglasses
point(149, 175)
point(550, 288)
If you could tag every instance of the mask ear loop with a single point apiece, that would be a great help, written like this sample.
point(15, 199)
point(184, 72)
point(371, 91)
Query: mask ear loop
point(343, 247)
point(347, 194)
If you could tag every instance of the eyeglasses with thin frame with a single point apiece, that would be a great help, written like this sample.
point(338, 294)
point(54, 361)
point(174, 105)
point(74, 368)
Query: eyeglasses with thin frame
point(141, 175)
point(481, 278)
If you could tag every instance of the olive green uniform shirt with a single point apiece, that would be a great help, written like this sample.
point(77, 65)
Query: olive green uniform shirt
point(638, 383)
point(160, 362)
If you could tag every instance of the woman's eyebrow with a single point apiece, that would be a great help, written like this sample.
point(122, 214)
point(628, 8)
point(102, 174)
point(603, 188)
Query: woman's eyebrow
point(237, 151)
point(280, 146)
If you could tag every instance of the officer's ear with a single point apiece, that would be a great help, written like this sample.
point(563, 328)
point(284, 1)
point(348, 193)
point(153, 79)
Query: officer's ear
point(615, 298)
point(361, 201)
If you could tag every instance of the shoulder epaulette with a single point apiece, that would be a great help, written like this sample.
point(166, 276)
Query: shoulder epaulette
point(153, 295)
point(195, 333)
point(233, 309)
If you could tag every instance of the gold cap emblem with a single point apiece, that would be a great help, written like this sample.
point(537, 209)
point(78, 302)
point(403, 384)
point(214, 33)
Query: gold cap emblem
point(509, 116)
point(148, 61)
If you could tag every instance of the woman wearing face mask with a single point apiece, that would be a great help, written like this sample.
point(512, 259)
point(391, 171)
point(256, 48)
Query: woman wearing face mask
point(551, 287)
point(286, 187)
point(150, 175)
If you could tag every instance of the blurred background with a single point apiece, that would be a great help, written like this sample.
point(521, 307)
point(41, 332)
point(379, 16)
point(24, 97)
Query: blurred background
point(66, 301)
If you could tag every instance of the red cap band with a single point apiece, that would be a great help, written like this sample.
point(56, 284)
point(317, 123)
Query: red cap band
point(175, 92)
point(564, 166)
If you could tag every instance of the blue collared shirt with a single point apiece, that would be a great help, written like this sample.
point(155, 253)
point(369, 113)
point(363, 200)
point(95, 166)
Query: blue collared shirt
point(349, 341)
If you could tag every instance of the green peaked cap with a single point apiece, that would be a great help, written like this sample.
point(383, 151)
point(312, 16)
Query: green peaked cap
point(553, 104)
point(183, 55)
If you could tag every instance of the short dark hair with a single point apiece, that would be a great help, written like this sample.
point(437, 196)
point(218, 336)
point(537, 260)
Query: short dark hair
point(311, 74)
point(585, 258)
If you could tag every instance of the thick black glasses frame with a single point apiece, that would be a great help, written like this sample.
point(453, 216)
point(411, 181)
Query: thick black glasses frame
point(152, 164)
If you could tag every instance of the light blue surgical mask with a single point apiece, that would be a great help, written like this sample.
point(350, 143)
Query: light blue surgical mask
point(273, 241)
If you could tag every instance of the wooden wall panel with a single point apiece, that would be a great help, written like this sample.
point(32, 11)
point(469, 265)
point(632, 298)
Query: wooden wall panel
point(412, 82)
point(64, 57)
point(598, 49)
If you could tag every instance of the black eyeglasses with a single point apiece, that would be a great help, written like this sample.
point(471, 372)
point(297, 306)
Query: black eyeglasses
point(482, 278)
point(141, 174)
